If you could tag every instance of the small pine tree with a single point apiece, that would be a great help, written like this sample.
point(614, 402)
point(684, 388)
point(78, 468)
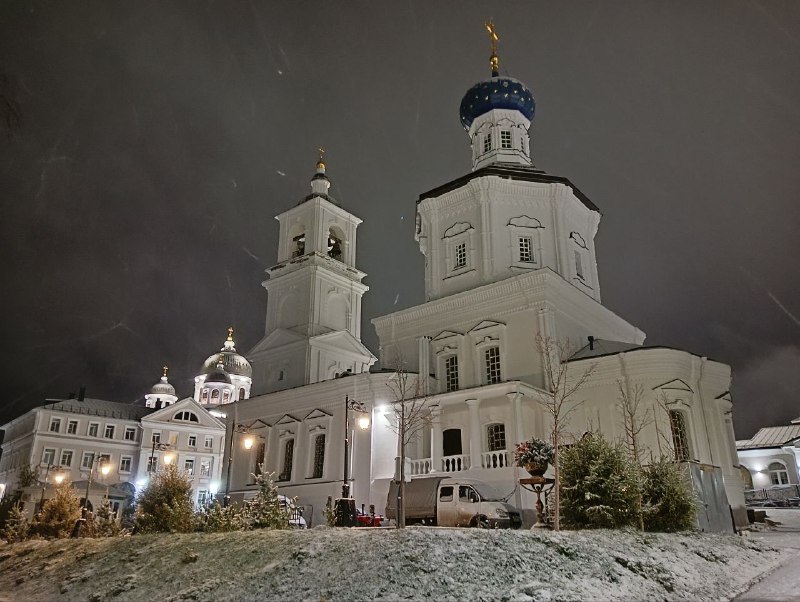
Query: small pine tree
point(165, 505)
point(59, 514)
point(105, 522)
point(598, 485)
point(669, 501)
point(17, 527)
point(216, 519)
point(26, 476)
point(265, 511)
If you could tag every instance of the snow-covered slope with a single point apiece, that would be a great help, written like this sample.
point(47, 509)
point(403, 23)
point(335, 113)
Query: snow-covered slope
point(368, 564)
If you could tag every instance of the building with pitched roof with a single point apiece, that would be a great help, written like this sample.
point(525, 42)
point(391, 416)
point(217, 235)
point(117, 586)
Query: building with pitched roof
point(770, 460)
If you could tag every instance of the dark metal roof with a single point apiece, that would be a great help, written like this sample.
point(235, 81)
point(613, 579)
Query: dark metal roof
point(99, 407)
point(771, 436)
point(509, 172)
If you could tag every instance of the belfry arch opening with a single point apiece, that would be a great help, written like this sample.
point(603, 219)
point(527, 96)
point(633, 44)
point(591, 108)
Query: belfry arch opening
point(336, 243)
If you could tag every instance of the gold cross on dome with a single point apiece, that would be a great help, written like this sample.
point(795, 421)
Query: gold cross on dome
point(165, 369)
point(494, 61)
point(230, 333)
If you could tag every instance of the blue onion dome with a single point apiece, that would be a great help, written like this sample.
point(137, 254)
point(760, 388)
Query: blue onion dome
point(496, 93)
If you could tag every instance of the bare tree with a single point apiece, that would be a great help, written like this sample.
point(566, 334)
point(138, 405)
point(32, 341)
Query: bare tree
point(412, 414)
point(562, 382)
point(634, 420)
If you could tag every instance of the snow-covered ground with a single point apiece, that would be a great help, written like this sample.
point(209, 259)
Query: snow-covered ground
point(368, 564)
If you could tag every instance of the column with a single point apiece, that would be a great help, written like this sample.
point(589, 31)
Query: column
point(474, 433)
point(516, 416)
point(436, 439)
point(424, 363)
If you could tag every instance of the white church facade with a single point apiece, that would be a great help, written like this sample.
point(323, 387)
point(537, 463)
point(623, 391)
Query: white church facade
point(510, 256)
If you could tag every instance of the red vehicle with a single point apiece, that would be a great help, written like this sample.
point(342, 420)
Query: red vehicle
point(368, 520)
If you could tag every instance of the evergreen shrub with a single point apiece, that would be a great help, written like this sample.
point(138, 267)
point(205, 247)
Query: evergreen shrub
point(165, 505)
point(59, 514)
point(669, 501)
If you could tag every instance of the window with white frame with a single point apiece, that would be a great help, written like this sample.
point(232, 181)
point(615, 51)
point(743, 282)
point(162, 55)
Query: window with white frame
point(87, 459)
point(130, 433)
point(125, 463)
point(525, 249)
point(241, 392)
point(104, 459)
point(215, 396)
point(496, 437)
point(319, 457)
point(155, 437)
point(93, 429)
point(491, 360)
point(152, 463)
point(55, 425)
point(109, 432)
point(460, 256)
point(203, 497)
point(680, 435)
point(49, 456)
point(192, 440)
point(209, 442)
point(226, 395)
point(205, 467)
point(186, 417)
point(188, 466)
point(72, 427)
point(487, 142)
point(778, 475)
point(451, 373)
point(288, 458)
point(505, 139)
point(204, 396)
point(66, 457)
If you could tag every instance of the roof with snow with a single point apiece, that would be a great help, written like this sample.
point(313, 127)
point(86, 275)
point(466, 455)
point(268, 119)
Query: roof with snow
point(771, 436)
point(601, 347)
point(99, 407)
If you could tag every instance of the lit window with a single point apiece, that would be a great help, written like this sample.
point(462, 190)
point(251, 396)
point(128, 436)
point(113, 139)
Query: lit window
point(778, 474)
point(109, 432)
point(496, 437)
point(205, 467)
point(55, 425)
point(188, 466)
point(505, 139)
point(125, 463)
point(66, 458)
point(49, 456)
point(241, 393)
point(525, 249)
point(680, 438)
point(319, 456)
point(215, 396)
point(204, 396)
point(130, 433)
point(72, 427)
point(578, 265)
point(288, 457)
point(492, 364)
point(209, 442)
point(94, 428)
point(87, 460)
point(487, 143)
point(451, 373)
point(461, 256)
point(226, 396)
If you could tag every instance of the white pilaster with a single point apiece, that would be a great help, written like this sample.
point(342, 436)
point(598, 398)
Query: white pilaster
point(474, 433)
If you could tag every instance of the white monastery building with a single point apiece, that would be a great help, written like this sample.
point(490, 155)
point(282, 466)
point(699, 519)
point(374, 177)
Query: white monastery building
point(509, 260)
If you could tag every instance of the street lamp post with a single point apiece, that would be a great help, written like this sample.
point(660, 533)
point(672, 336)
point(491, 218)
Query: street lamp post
point(345, 506)
point(55, 477)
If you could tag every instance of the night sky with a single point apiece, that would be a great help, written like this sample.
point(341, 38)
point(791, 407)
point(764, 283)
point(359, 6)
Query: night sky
point(156, 141)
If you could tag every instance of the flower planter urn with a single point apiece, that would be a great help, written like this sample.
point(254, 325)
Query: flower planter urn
point(536, 469)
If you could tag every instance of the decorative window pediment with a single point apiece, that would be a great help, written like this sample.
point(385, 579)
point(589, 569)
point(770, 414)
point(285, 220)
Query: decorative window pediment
point(578, 239)
point(524, 221)
point(317, 421)
point(675, 384)
point(456, 229)
point(486, 324)
point(446, 334)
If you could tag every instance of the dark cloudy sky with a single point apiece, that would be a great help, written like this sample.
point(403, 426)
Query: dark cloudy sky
point(157, 140)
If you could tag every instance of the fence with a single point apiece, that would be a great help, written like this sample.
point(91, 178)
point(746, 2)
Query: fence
point(778, 495)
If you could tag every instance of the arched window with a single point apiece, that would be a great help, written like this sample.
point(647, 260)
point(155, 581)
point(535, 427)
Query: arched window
point(335, 238)
point(215, 396)
point(288, 459)
point(747, 478)
point(778, 474)
point(241, 393)
point(204, 396)
point(680, 437)
point(319, 456)
point(226, 396)
point(496, 437)
point(186, 417)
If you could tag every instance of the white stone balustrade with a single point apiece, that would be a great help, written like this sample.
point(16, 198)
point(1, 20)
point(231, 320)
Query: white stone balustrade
point(455, 463)
point(495, 459)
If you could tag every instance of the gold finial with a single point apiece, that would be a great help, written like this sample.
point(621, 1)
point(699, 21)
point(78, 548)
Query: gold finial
point(493, 37)
point(230, 333)
point(321, 160)
point(166, 370)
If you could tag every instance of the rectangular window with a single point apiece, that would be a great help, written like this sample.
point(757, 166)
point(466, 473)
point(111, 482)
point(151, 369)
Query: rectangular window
point(288, 458)
point(460, 256)
point(487, 143)
point(451, 373)
point(680, 439)
point(49, 456)
point(446, 494)
point(209, 442)
point(578, 265)
point(55, 425)
point(104, 459)
point(205, 467)
point(130, 433)
point(156, 437)
point(173, 438)
point(526, 249)
point(505, 139)
point(152, 464)
point(109, 432)
point(125, 463)
point(492, 361)
point(188, 466)
point(496, 434)
point(93, 429)
point(72, 427)
point(66, 458)
point(192, 440)
point(202, 497)
point(87, 460)
point(261, 451)
point(319, 456)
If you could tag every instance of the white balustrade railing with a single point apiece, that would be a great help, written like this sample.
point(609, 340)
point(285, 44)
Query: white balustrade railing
point(455, 463)
point(421, 466)
point(495, 459)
